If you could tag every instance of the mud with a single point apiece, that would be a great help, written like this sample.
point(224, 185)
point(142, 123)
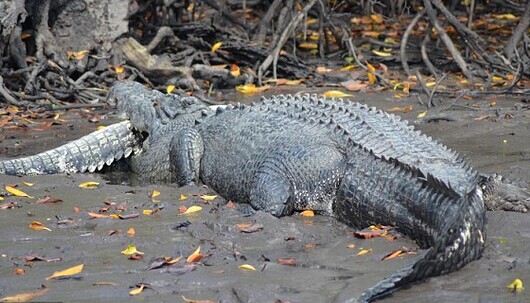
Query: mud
point(297, 259)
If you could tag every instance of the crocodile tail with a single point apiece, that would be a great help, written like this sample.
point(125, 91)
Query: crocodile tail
point(464, 244)
point(88, 153)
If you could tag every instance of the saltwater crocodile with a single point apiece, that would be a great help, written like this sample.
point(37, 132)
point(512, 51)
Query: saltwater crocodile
point(358, 164)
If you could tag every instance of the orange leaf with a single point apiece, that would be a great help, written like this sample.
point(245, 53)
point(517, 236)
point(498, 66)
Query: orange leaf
point(67, 272)
point(392, 255)
point(195, 256)
point(36, 225)
point(286, 261)
point(307, 213)
point(98, 216)
point(371, 77)
point(404, 109)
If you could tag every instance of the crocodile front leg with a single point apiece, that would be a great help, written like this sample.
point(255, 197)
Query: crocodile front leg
point(501, 194)
point(185, 153)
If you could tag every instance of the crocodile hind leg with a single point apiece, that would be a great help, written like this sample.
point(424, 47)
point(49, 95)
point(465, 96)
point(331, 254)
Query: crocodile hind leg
point(185, 153)
point(501, 194)
point(298, 178)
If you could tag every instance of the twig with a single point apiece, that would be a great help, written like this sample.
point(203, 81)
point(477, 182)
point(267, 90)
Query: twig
point(10, 99)
point(404, 40)
point(273, 57)
point(447, 41)
point(431, 96)
point(423, 86)
point(425, 57)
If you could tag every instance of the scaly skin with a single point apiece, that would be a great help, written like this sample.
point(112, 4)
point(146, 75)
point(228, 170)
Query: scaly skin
point(300, 152)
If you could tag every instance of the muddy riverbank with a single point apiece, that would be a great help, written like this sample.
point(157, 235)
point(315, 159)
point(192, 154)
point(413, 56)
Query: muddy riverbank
point(297, 259)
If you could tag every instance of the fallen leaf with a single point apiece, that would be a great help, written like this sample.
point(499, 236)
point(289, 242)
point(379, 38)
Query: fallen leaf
point(182, 197)
point(136, 257)
point(195, 256)
point(422, 114)
point(36, 225)
point(216, 46)
point(137, 291)
point(119, 69)
point(351, 245)
point(130, 250)
point(393, 255)
point(231, 204)
point(67, 272)
point(286, 261)
point(378, 19)
point(8, 205)
point(307, 213)
point(235, 71)
point(131, 232)
point(515, 286)
point(19, 271)
point(251, 88)
point(89, 184)
point(354, 85)
point(17, 192)
point(430, 84)
point(250, 228)
point(170, 88)
point(208, 198)
point(336, 94)
point(155, 193)
point(182, 209)
point(371, 76)
point(48, 200)
point(25, 297)
point(364, 252)
point(28, 184)
point(196, 301)
point(247, 267)
point(381, 54)
point(308, 45)
point(192, 209)
point(404, 109)
point(98, 216)
point(147, 212)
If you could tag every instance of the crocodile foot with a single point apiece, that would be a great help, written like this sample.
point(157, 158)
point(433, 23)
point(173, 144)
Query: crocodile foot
point(501, 194)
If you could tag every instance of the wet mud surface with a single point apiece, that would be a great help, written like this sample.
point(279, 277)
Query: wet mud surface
point(297, 259)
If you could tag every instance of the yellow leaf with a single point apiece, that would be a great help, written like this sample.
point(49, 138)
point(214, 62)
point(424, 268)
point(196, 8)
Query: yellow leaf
point(381, 54)
point(114, 216)
point(147, 212)
point(364, 252)
point(67, 272)
point(497, 79)
point(36, 225)
point(372, 34)
point(131, 232)
point(170, 88)
point(371, 77)
point(247, 267)
point(308, 45)
point(131, 250)
point(294, 82)
point(28, 184)
point(192, 209)
point(347, 68)
point(137, 291)
point(216, 46)
point(100, 127)
point(89, 184)
point(25, 297)
point(182, 197)
point(421, 115)
point(336, 94)
point(506, 17)
point(505, 141)
point(119, 69)
point(80, 54)
point(516, 285)
point(208, 198)
point(251, 88)
point(1, 198)
point(155, 193)
point(377, 18)
point(307, 213)
point(430, 84)
point(17, 192)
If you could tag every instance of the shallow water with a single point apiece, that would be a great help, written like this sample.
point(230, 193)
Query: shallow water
point(324, 265)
